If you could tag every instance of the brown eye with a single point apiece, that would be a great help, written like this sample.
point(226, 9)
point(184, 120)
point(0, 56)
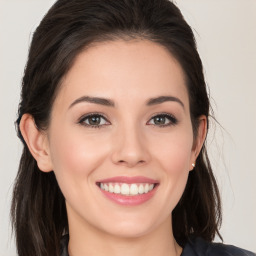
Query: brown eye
point(159, 120)
point(163, 120)
point(93, 120)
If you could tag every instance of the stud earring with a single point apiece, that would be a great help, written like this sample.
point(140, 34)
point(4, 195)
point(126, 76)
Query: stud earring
point(193, 165)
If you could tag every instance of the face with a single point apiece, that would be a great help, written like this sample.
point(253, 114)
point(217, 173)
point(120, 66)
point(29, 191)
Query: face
point(120, 138)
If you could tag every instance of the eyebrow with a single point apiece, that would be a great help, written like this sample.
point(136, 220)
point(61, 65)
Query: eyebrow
point(162, 99)
point(95, 100)
point(110, 103)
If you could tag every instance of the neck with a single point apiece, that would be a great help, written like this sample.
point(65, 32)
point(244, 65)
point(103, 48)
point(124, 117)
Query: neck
point(86, 240)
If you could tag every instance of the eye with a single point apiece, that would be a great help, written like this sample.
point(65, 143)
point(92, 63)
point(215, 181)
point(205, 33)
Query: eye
point(163, 120)
point(94, 120)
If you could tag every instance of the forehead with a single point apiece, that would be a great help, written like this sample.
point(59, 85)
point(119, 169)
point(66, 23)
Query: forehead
point(138, 69)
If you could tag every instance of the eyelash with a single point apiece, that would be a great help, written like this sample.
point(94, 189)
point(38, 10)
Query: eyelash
point(171, 118)
point(97, 115)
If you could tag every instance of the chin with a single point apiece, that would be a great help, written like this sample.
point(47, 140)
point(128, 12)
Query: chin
point(133, 228)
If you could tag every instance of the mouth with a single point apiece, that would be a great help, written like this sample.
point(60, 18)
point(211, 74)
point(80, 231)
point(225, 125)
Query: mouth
point(128, 190)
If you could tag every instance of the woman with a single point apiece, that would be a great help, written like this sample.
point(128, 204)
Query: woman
point(113, 116)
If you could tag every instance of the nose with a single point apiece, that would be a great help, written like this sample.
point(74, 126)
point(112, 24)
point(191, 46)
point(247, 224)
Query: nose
point(130, 148)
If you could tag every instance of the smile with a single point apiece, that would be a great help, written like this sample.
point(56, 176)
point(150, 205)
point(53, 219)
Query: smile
point(127, 189)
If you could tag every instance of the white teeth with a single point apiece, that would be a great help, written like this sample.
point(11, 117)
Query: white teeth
point(127, 189)
point(106, 187)
point(110, 188)
point(146, 188)
point(117, 189)
point(134, 189)
point(141, 189)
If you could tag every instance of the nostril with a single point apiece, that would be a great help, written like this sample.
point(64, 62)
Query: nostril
point(131, 163)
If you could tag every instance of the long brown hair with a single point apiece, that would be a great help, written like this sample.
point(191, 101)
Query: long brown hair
point(38, 207)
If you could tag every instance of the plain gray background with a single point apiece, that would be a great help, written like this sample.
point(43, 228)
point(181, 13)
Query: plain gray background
point(226, 36)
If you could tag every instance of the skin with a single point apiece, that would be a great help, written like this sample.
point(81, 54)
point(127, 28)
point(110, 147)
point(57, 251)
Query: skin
point(129, 142)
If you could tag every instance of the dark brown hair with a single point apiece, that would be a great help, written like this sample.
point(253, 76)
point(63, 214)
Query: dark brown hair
point(38, 207)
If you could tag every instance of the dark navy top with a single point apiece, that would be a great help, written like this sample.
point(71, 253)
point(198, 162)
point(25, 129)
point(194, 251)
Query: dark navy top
point(194, 247)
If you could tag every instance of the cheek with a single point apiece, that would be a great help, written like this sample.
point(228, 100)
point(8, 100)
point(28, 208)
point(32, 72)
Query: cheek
point(174, 152)
point(174, 157)
point(75, 156)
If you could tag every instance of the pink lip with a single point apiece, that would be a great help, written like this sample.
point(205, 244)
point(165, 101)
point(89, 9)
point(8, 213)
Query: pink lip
point(128, 180)
point(129, 200)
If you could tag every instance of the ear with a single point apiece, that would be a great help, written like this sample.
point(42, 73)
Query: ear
point(37, 142)
point(199, 140)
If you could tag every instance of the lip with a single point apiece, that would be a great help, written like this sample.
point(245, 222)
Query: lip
point(129, 200)
point(128, 180)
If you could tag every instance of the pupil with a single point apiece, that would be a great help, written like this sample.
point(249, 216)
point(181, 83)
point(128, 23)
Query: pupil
point(159, 120)
point(95, 120)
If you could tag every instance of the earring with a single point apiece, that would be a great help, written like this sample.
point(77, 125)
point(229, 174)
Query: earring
point(193, 165)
